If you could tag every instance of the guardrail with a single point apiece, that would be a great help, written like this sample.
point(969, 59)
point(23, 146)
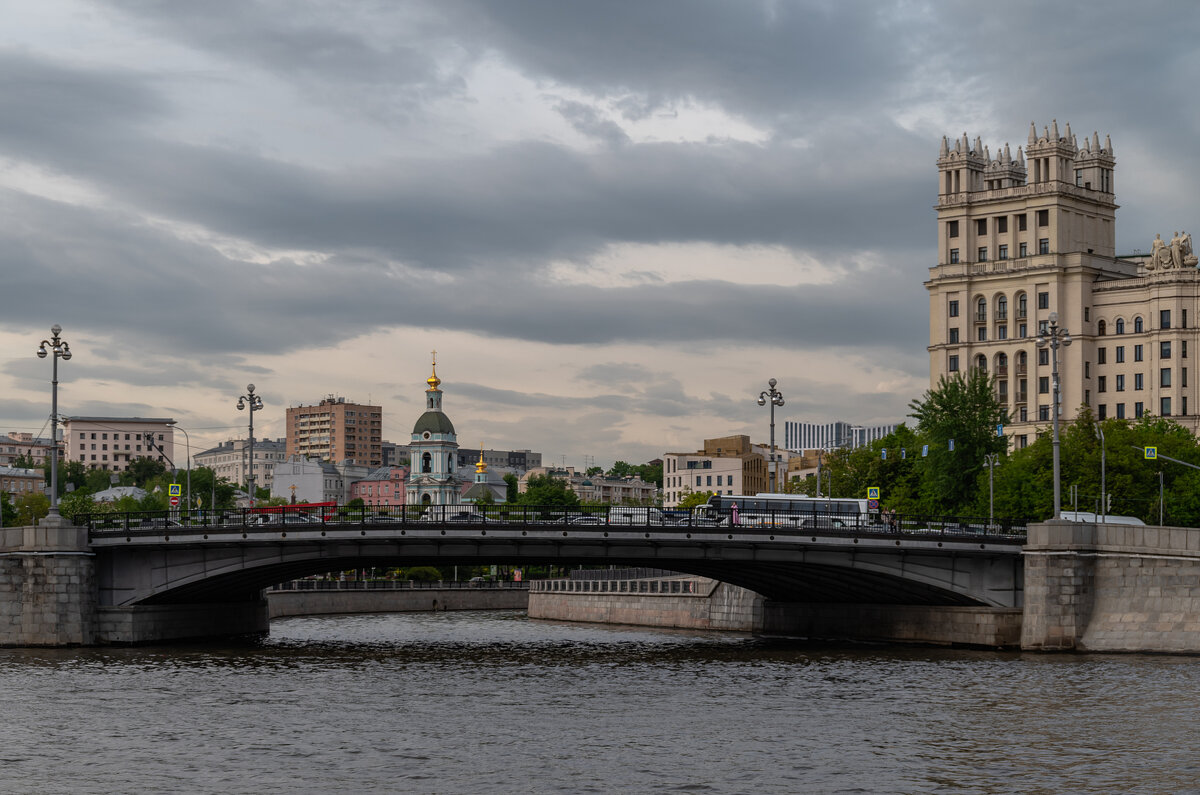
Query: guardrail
point(651, 587)
point(397, 585)
point(613, 519)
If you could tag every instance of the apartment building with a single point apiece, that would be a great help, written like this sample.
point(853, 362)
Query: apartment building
point(25, 445)
point(1027, 240)
point(231, 460)
point(727, 465)
point(113, 443)
point(334, 430)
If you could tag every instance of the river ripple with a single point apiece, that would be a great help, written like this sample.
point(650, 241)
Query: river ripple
point(495, 702)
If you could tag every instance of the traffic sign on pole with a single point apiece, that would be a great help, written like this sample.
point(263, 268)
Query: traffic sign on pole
point(1151, 453)
point(174, 501)
point(872, 492)
point(174, 490)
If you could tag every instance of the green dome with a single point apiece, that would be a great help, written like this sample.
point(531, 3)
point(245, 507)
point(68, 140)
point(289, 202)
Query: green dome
point(434, 422)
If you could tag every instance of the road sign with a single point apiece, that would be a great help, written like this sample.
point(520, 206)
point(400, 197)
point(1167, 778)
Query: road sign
point(872, 505)
point(1000, 429)
point(175, 502)
point(872, 492)
point(173, 490)
point(952, 445)
point(1151, 453)
point(924, 451)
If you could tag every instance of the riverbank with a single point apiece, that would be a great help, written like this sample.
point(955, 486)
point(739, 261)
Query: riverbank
point(319, 598)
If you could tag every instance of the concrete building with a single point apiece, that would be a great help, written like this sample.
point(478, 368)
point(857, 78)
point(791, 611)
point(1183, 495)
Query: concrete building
point(1024, 236)
point(509, 460)
point(17, 481)
point(728, 465)
point(17, 445)
point(334, 430)
point(230, 460)
point(307, 480)
point(597, 488)
point(804, 436)
point(113, 443)
point(385, 487)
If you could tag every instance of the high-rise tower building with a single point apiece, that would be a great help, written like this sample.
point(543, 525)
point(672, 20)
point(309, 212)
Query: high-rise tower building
point(334, 430)
point(1024, 236)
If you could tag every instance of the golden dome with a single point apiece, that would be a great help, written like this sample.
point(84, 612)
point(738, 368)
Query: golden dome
point(433, 381)
point(480, 467)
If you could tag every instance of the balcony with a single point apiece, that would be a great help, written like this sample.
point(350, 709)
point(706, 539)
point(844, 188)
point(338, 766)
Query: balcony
point(1022, 369)
point(1002, 371)
point(1001, 314)
point(1021, 398)
point(981, 317)
point(1022, 313)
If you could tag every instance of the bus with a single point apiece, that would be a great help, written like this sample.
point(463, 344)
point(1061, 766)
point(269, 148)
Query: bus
point(797, 511)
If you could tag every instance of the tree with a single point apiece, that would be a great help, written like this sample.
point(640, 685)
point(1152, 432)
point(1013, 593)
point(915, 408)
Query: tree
point(651, 473)
point(621, 469)
point(31, 506)
point(142, 470)
point(965, 410)
point(75, 503)
point(693, 498)
point(513, 488)
point(8, 511)
point(591, 471)
point(546, 490)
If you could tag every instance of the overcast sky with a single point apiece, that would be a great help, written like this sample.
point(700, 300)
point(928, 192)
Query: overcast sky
point(614, 221)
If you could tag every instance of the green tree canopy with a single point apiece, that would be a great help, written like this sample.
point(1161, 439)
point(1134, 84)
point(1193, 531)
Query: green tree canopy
point(546, 490)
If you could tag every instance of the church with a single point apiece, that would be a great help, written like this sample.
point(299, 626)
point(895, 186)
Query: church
point(433, 452)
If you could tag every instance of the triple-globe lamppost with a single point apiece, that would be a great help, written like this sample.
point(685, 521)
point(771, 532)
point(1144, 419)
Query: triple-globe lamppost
point(773, 397)
point(61, 350)
point(1055, 337)
point(254, 402)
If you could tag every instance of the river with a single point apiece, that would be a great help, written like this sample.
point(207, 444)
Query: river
point(495, 702)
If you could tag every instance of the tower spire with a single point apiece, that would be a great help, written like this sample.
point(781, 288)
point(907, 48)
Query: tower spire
point(433, 380)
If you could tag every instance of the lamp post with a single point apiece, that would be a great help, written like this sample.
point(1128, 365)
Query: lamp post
point(775, 398)
point(62, 351)
point(255, 403)
point(1055, 337)
point(1103, 496)
point(990, 460)
point(189, 462)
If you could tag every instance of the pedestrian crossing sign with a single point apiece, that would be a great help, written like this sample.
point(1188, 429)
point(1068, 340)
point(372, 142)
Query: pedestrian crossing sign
point(173, 490)
point(872, 492)
point(1151, 453)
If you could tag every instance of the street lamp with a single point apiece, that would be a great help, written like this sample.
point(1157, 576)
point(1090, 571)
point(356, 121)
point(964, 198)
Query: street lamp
point(990, 460)
point(1103, 507)
point(63, 351)
point(775, 398)
point(255, 403)
point(1055, 337)
point(189, 463)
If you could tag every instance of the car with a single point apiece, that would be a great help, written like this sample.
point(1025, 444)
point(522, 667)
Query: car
point(158, 523)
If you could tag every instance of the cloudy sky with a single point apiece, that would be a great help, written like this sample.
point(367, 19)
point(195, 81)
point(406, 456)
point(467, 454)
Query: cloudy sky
point(614, 221)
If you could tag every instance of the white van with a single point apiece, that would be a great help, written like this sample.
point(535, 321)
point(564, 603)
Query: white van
point(1088, 516)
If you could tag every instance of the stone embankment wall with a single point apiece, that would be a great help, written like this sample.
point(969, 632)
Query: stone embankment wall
point(1094, 587)
point(329, 602)
point(986, 627)
point(693, 603)
point(47, 586)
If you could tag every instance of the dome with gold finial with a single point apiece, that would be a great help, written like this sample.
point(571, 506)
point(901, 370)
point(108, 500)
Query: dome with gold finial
point(433, 381)
point(481, 466)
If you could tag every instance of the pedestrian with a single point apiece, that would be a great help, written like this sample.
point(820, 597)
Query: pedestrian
point(733, 513)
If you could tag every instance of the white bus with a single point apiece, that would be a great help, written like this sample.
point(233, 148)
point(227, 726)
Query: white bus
point(789, 510)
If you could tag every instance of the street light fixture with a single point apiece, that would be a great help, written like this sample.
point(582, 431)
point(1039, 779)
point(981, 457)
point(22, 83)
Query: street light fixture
point(177, 427)
point(775, 398)
point(61, 351)
point(990, 460)
point(1055, 337)
point(1103, 485)
point(255, 403)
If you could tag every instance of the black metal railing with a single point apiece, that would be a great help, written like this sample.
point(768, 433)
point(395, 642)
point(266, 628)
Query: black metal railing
point(610, 519)
point(397, 585)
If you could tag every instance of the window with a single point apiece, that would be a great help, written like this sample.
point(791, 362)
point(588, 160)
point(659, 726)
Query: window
point(708, 480)
point(1001, 332)
point(1164, 318)
point(953, 365)
point(953, 336)
point(1137, 353)
point(1138, 381)
point(1164, 349)
point(1183, 349)
point(1137, 325)
point(1022, 248)
point(1043, 356)
point(1043, 300)
point(1044, 385)
point(1183, 409)
point(1044, 245)
point(952, 228)
point(104, 436)
point(954, 309)
point(1002, 224)
point(1022, 222)
point(698, 480)
point(1120, 326)
point(1138, 410)
point(981, 334)
point(1120, 411)
point(981, 310)
point(1043, 327)
point(1101, 328)
point(1102, 411)
point(1087, 369)
point(1087, 397)
point(1164, 376)
point(1001, 307)
point(982, 254)
point(1183, 378)
point(1022, 305)
point(1164, 407)
point(1120, 383)
point(1022, 331)
point(1101, 355)
point(1079, 177)
point(1183, 324)
point(1120, 353)
point(953, 256)
point(981, 226)
point(1043, 413)
point(1102, 384)
point(1024, 414)
point(1043, 218)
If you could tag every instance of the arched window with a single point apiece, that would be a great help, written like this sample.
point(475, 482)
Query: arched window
point(1022, 306)
point(1001, 364)
point(425, 499)
point(1002, 307)
point(1100, 328)
point(981, 363)
point(1137, 325)
point(426, 463)
point(981, 309)
point(1120, 326)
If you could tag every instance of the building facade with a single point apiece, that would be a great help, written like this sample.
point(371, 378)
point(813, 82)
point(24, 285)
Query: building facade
point(17, 481)
point(727, 465)
point(230, 460)
point(307, 480)
point(509, 460)
point(334, 430)
point(1029, 239)
point(803, 436)
point(25, 445)
point(383, 487)
point(113, 443)
point(597, 488)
